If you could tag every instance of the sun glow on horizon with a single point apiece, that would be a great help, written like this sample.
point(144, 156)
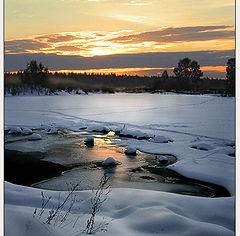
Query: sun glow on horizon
point(139, 71)
point(135, 69)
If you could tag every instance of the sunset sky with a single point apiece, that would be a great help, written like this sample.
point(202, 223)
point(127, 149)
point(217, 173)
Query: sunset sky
point(122, 36)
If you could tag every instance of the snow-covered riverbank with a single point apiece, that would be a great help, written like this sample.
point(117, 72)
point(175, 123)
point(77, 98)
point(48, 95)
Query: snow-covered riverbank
point(128, 212)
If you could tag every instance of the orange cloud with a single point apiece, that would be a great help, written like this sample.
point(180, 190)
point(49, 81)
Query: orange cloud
point(214, 68)
point(92, 43)
point(182, 34)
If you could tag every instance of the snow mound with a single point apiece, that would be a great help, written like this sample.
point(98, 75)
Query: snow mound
point(131, 151)
point(133, 134)
point(110, 161)
point(159, 139)
point(26, 131)
point(203, 146)
point(52, 130)
point(98, 128)
point(163, 159)
point(15, 130)
point(89, 140)
point(34, 137)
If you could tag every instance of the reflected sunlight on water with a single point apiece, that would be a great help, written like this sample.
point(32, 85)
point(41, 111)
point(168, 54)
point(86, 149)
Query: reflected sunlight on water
point(144, 171)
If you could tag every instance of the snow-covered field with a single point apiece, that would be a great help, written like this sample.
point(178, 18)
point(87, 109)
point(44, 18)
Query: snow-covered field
point(202, 134)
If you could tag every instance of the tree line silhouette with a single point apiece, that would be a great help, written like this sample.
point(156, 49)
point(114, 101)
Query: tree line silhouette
point(187, 78)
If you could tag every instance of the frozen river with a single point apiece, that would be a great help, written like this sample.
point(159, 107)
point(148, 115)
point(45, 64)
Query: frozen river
point(201, 128)
point(209, 116)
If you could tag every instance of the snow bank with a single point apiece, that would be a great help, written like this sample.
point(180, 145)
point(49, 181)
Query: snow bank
point(42, 92)
point(127, 211)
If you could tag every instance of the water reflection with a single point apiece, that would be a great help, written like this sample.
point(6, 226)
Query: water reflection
point(144, 171)
point(110, 171)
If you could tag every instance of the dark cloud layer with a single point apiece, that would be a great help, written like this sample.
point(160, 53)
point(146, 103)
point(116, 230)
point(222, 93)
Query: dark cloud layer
point(22, 46)
point(55, 38)
point(14, 62)
point(38, 43)
point(199, 33)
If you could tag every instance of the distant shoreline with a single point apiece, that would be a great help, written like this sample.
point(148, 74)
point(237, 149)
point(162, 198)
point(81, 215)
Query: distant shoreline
point(59, 83)
point(45, 92)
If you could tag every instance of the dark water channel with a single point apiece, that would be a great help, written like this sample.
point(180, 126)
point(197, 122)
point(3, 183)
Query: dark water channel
point(67, 160)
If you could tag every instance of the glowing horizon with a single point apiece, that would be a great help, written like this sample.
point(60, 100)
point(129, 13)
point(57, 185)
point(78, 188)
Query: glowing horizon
point(135, 70)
